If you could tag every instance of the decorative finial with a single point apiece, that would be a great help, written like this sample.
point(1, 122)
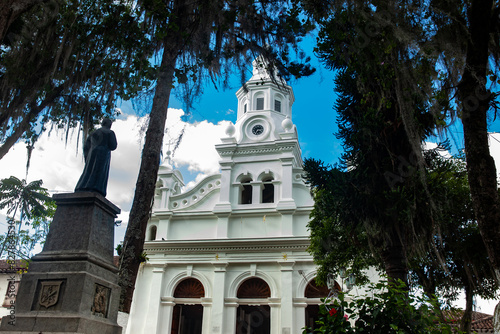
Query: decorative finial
point(287, 124)
point(230, 130)
point(169, 160)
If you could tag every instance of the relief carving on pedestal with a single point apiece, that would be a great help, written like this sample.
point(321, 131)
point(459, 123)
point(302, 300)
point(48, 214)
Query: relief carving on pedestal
point(49, 293)
point(101, 301)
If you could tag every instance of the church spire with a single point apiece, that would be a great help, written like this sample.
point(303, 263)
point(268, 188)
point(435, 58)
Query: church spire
point(260, 93)
point(264, 107)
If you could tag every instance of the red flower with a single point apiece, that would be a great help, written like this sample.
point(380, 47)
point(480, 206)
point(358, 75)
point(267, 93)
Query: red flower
point(346, 317)
point(332, 312)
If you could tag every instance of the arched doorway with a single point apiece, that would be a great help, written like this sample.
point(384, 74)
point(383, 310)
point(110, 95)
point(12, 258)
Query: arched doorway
point(253, 313)
point(187, 315)
point(314, 293)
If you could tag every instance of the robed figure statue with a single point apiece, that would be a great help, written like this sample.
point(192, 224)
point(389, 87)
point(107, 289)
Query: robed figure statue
point(97, 154)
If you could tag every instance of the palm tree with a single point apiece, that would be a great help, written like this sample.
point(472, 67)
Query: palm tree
point(29, 200)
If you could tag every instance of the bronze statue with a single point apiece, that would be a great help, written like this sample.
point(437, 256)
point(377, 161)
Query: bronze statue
point(97, 154)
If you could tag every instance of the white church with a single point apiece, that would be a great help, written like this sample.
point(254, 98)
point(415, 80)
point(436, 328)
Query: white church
point(230, 255)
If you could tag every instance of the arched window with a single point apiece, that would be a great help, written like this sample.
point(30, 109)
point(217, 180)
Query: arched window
point(316, 292)
point(267, 190)
point(187, 316)
point(246, 192)
point(245, 108)
point(189, 288)
point(251, 318)
point(254, 288)
point(152, 232)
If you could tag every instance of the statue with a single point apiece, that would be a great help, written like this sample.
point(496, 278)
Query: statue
point(97, 154)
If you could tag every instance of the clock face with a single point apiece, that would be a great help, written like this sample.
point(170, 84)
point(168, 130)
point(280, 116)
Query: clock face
point(257, 129)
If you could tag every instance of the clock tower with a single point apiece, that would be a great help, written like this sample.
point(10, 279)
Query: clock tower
point(264, 130)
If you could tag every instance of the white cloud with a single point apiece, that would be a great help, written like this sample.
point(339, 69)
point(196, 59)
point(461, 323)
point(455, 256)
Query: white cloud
point(197, 148)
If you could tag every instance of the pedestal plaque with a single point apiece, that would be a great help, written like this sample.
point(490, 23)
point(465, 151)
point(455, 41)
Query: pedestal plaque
point(71, 286)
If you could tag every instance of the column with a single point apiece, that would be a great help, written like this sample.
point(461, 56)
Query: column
point(207, 316)
point(256, 190)
point(164, 197)
point(286, 182)
point(274, 305)
point(151, 324)
point(286, 201)
point(218, 298)
point(163, 226)
point(230, 304)
point(299, 314)
point(287, 297)
point(166, 310)
point(224, 204)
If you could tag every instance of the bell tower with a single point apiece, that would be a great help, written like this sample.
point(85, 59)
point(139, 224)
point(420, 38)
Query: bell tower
point(264, 105)
point(261, 157)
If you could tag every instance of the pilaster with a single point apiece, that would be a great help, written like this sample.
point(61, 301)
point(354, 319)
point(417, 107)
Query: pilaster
point(154, 299)
point(286, 268)
point(218, 307)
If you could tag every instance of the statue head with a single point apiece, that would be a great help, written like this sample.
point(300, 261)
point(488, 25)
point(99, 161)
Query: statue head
point(106, 123)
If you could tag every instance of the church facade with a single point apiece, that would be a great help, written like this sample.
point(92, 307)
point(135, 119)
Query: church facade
point(230, 255)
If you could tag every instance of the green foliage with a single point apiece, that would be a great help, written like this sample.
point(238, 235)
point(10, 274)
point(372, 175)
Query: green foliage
point(386, 309)
point(35, 232)
point(337, 240)
point(35, 208)
point(119, 249)
point(143, 257)
point(67, 62)
point(386, 110)
point(458, 259)
point(27, 199)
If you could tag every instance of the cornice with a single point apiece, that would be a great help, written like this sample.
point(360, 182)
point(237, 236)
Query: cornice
point(236, 211)
point(279, 146)
point(229, 245)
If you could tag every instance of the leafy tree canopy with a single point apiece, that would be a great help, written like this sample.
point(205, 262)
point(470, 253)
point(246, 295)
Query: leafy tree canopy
point(68, 62)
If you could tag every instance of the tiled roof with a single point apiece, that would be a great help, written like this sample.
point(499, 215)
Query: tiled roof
point(481, 322)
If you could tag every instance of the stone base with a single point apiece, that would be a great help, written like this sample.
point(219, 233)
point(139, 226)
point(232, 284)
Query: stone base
point(71, 286)
point(58, 323)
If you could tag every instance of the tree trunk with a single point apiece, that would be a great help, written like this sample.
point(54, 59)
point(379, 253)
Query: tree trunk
point(466, 321)
point(133, 245)
point(480, 165)
point(10, 10)
point(476, 101)
point(395, 262)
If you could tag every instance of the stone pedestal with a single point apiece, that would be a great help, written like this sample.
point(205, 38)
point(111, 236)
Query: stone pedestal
point(71, 286)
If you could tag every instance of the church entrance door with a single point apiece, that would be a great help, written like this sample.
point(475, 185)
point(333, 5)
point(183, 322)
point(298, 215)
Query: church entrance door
point(253, 320)
point(187, 319)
